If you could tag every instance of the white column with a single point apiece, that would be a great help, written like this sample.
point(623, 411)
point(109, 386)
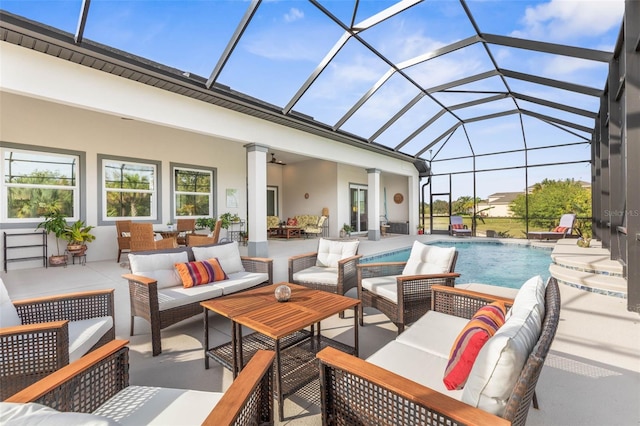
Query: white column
point(257, 199)
point(373, 206)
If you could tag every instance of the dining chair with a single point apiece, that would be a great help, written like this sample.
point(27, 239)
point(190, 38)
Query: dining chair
point(123, 230)
point(185, 227)
point(143, 238)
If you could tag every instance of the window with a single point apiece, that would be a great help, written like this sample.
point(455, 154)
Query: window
point(130, 188)
point(34, 180)
point(193, 189)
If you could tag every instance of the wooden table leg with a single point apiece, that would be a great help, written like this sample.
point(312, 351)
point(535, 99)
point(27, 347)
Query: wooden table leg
point(356, 314)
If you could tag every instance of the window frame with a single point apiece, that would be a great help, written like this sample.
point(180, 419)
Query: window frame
point(156, 194)
point(213, 191)
point(79, 189)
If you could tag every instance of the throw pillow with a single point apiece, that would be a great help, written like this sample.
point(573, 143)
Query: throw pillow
point(484, 323)
point(560, 229)
point(292, 221)
point(425, 259)
point(202, 272)
point(457, 226)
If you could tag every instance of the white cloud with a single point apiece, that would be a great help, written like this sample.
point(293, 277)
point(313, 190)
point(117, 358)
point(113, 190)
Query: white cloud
point(562, 66)
point(568, 19)
point(293, 15)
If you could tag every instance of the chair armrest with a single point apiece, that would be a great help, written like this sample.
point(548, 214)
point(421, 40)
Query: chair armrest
point(166, 243)
point(300, 262)
point(462, 303)
point(358, 392)
point(380, 269)
point(258, 264)
point(85, 384)
point(250, 396)
point(139, 279)
point(72, 307)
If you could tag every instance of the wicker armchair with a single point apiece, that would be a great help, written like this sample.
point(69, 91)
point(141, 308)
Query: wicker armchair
point(40, 345)
point(123, 230)
point(185, 228)
point(143, 238)
point(407, 298)
point(194, 240)
point(102, 377)
point(357, 392)
point(307, 270)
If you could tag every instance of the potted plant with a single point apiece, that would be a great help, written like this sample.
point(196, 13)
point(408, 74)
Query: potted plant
point(346, 230)
point(170, 226)
point(227, 219)
point(55, 223)
point(420, 229)
point(583, 230)
point(78, 235)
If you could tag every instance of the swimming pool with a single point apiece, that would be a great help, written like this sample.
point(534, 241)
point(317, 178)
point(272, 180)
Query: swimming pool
point(501, 264)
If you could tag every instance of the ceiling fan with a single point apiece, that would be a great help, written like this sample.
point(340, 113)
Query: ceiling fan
point(274, 161)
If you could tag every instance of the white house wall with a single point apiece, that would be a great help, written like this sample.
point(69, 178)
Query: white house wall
point(50, 102)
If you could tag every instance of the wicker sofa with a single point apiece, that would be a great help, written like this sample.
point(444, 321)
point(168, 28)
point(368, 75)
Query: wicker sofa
point(95, 390)
point(402, 383)
point(158, 295)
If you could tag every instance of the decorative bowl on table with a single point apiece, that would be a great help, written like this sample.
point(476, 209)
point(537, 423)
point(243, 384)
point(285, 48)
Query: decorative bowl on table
point(283, 293)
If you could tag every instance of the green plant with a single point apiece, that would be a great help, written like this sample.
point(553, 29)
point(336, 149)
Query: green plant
point(79, 233)
point(347, 228)
point(583, 228)
point(227, 219)
point(54, 223)
point(206, 223)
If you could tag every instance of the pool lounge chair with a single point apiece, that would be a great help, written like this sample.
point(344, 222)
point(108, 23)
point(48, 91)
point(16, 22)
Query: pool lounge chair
point(559, 232)
point(457, 227)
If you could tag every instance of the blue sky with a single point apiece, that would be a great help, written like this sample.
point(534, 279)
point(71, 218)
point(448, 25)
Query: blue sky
point(287, 39)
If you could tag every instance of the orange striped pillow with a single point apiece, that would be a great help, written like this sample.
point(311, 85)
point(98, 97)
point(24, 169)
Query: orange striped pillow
point(202, 272)
point(560, 229)
point(484, 323)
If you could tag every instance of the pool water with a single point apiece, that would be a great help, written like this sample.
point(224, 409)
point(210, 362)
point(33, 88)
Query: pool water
point(504, 265)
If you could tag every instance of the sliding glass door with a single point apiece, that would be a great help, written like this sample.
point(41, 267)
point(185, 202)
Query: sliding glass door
point(358, 203)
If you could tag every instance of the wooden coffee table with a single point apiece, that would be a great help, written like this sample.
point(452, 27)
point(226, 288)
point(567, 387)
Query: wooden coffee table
point(280, 327)
point(285, 232)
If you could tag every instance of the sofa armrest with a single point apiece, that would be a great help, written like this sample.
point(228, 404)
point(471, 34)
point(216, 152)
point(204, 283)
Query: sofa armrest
point(250, 396)
point(71, 307)
point(302, 261)
point(462, 303)
point(85, 384)
point(357, 392)
point(258, 264)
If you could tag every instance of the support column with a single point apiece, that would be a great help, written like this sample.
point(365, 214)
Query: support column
point(257, 199)
point(373, 203)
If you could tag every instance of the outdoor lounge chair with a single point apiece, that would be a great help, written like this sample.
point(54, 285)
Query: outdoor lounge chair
point(95, 390)
point(402, 290)
point(40, 336)
point(332, 268)
point(564, 228)
point(457, 227)
point(316, 229)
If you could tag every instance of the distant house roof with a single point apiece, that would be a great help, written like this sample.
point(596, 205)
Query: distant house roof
point(502, 197)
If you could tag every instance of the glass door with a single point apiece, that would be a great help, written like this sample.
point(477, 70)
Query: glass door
point(358, 205)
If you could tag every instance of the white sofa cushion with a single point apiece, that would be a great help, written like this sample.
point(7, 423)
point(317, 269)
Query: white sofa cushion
point(172, 297)
point(241, 281)
point(330, 252)
point(158, 266)
point(425, 259)
point(434, 332)
point(33, 414)
point(84, 334)
point(499, 363)
point(530, 297)
point(228, 255)
point(414, 364)
point(317, 274)
point(385, 286)
point(145, 405)
point(8, 314)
